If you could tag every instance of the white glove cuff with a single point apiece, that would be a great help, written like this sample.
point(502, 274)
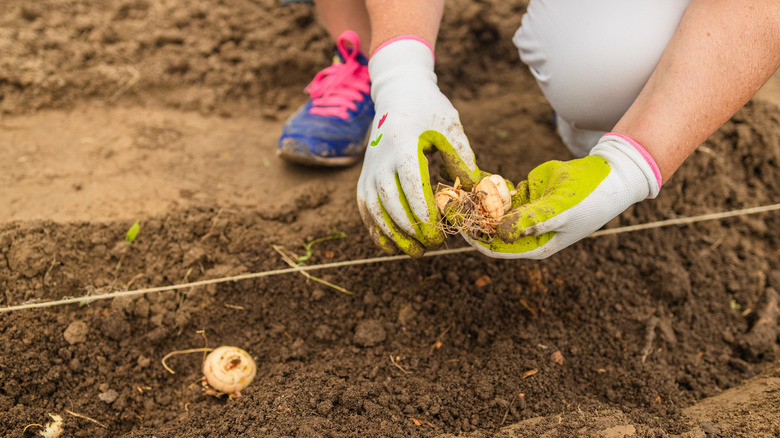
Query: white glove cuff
point(636, 166)
point(398, 58)
point(405, 37)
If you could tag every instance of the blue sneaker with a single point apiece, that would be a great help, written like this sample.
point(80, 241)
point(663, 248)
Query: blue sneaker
point(332, 128)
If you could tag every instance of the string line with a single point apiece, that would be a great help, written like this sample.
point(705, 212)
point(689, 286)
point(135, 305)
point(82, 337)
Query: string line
point(383, 259)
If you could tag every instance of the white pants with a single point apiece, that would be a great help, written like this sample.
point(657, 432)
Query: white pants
point(592, 58)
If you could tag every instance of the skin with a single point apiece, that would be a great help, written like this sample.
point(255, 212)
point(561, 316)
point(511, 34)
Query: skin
point(377, 21)
point(393, 18)
point(340, 15)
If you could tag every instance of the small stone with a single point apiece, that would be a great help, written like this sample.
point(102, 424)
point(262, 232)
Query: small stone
point(144, 361)
point(406, 314)
point(369, 332)
point(163, 398)
point(29, 257)
point(484, 389)
point(500, 402)
point(75, 364)
point(324, 407)
point(709, 428)
point(621, 431)
point(352, 398)
point(370, 300)
point(76, 332)
point(317, 294)
point(669, 281)
point(141, 308)
point(372, 409)
point(122, 304)
point(115, 327)
point(193, 256)
point(109, 396)
point(297, 350)
point(323, 332)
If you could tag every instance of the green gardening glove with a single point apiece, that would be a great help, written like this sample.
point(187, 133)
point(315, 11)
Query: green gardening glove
point(563, 202)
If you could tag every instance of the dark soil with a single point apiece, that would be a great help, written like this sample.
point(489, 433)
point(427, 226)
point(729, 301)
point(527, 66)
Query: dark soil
point(634, 326)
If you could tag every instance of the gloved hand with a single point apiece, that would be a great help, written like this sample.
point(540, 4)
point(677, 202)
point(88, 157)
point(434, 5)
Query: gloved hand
point(563, 202)
point(412, 118)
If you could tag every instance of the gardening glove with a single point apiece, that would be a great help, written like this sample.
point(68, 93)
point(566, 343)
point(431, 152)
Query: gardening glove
point(412, 118)
point(563, 202)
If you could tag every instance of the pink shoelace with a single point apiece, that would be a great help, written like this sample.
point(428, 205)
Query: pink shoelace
point(335, 89)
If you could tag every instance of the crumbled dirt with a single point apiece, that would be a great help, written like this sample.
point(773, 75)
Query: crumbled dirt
point(167, 113)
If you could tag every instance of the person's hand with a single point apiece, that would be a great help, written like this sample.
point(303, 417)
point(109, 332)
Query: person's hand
point(412, 118)
point(563, 202)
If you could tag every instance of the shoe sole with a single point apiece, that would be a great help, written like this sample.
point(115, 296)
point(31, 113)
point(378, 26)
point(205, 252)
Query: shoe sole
point(291, 155)
point(313, 160)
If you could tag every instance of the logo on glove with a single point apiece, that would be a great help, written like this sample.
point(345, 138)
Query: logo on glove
point(379, 137)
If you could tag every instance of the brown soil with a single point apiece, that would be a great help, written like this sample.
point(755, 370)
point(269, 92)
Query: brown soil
point(168, 113)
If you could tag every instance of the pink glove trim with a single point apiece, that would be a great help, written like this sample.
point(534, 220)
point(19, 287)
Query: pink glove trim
point(406, 37)
point(646, 155)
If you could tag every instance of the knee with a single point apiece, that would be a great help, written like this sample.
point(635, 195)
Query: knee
point(591, 59)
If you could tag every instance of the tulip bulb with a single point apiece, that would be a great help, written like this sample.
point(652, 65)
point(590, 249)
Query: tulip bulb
point(228, 370)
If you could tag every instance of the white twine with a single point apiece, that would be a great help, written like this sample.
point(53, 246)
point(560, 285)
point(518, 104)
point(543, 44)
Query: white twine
point(240, 277)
